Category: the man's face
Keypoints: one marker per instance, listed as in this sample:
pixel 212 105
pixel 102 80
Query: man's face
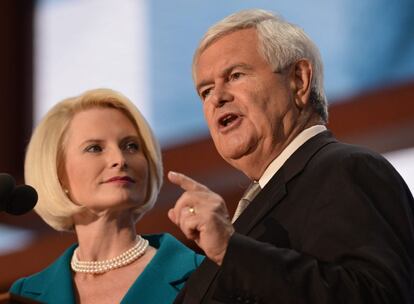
pixel 249 108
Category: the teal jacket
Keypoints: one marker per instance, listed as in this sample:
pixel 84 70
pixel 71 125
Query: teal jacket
pixel 159 283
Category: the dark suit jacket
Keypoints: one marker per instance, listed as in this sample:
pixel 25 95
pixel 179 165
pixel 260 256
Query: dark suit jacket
pixel 334 225
pixel 160 281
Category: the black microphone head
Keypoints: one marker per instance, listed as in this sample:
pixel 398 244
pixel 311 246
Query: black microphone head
pixel 22 200
pixel 7 185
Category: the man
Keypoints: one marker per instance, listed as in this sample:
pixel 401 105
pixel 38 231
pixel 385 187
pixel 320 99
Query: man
pixel 331 223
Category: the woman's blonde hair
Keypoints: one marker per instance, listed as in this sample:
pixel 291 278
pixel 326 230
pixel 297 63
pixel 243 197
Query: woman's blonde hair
pixel 45 155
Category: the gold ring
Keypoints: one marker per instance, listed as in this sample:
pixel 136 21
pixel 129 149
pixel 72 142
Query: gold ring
pixel 191 210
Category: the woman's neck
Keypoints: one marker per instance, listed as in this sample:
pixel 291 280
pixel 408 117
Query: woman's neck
pixel 104 236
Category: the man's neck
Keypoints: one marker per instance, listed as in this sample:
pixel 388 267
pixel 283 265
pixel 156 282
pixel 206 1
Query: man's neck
pixel 294 145
pixel 254 164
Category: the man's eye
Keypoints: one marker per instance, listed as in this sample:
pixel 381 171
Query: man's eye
pixel 131 147
pixel 235 75
pixel 205 93
pixel 93 149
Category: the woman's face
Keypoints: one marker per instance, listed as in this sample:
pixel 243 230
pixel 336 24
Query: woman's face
pixel 104 165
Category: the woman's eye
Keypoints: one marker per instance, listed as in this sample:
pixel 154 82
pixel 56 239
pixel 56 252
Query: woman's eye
pixel 93 149
pixel 132 147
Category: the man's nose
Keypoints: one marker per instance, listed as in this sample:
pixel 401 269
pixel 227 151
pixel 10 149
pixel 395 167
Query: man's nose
pixel 221 95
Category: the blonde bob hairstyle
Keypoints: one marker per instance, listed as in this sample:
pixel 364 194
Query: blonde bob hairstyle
pixel 45 155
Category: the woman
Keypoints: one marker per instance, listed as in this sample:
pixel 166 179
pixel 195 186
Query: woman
pixel 97 169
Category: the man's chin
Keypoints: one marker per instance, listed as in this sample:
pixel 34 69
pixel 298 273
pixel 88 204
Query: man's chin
pixel 234 155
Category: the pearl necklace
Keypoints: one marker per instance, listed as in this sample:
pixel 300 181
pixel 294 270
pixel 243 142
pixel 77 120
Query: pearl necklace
pixel 98 267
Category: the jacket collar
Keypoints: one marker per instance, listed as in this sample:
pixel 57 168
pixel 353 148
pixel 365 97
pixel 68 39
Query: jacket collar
pixel 272 194
pixel 169 269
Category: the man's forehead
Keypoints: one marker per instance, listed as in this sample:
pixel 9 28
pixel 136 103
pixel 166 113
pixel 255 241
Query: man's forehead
pixel 226 51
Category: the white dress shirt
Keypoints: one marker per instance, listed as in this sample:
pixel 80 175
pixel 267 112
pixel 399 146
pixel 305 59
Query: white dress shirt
pixel 278 162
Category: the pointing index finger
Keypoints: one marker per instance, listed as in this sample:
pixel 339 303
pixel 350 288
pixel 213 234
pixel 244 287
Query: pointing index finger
pixel 185 182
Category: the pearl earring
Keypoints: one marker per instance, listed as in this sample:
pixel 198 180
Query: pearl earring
pixel 66 191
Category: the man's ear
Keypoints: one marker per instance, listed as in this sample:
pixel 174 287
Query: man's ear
pixel 302 74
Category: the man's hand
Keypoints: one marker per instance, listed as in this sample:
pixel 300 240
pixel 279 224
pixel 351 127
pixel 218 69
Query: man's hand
pixel 202 216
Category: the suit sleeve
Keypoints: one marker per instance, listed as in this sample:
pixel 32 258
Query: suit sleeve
pixel 357 245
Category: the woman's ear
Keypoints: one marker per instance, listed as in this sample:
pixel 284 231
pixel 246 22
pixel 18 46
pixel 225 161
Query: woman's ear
pixel 301 80
pixel 63 179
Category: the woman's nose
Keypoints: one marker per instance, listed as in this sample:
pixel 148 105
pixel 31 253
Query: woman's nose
pixel 117 159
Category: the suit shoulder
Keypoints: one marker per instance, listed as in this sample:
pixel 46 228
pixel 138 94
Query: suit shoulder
pixel 342 153
pixel 37 280
pixel 17 286
pixel 338 160
pixel 340 149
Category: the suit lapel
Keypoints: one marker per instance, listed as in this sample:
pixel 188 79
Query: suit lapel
pixel 275 190
pixel 168 269
pixel 267 199
pixel 199 282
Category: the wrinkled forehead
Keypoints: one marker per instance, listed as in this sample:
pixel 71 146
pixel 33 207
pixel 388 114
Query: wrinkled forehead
pixel 235 48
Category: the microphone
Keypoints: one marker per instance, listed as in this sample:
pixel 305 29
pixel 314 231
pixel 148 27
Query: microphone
pixel 16 200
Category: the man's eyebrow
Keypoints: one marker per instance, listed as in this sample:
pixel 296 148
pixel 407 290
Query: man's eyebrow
pixel 244 66
pixel 202 84
pixel 229 69
pixel 225 72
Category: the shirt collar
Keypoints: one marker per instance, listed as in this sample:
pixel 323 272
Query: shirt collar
pixel 298 141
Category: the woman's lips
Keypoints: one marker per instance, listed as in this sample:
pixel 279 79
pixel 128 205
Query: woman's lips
pixel 120 179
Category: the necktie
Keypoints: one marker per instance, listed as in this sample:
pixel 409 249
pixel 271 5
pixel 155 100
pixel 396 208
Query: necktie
pixel 247 197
